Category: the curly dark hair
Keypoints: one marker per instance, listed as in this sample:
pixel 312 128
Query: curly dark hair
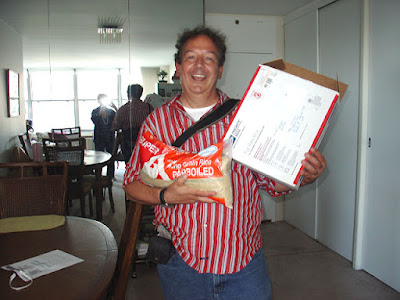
pixel 218 38
pixel 134 91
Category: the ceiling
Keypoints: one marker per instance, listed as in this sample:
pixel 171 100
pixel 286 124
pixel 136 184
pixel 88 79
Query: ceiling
pixel 64 33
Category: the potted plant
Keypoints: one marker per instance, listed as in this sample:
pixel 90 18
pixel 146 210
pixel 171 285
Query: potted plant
pixel 162 75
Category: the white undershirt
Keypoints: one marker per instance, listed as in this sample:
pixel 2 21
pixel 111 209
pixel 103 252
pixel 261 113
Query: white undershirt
pixel 197 113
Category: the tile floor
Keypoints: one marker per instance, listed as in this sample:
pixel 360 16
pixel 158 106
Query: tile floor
pixel 300 267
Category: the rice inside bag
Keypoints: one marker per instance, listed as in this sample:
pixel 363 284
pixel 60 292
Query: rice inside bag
pixel 208 170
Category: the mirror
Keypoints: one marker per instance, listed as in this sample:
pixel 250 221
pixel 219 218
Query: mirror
pixel 62 36
pixel 67 31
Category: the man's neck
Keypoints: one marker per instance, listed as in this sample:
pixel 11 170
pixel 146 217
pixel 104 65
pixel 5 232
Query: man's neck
pixel 198 101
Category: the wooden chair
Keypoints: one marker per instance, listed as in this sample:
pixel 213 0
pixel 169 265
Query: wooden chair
pixel 126 249
pixel 33 188
pixel 107 180
pixel 71 151
pixel 26 145
pixel 66 133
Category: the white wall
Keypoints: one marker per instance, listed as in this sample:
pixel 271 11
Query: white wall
pixel 150 79
pixel 10 58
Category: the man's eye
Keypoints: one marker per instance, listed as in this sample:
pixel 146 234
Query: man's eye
pixel 210 59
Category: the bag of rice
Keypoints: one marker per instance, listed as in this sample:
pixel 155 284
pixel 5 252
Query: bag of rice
pixel 208 170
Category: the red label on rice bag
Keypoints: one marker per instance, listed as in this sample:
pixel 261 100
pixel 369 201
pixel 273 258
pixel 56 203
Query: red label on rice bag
pixel 161 161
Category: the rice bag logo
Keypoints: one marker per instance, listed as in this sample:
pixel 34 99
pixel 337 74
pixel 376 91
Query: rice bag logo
pixel 208 151
pixel 155 167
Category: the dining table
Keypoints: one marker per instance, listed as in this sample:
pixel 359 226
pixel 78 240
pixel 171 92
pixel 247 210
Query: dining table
pixel 95 161
pixel 84 238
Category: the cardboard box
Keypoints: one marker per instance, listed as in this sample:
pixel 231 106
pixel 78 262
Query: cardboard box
pixel 284 112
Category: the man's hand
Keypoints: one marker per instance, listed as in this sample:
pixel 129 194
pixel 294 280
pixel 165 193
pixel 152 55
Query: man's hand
pixel 179 193
pixel 314 164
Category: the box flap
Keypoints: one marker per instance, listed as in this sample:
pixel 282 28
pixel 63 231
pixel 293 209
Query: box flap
pixel 319 79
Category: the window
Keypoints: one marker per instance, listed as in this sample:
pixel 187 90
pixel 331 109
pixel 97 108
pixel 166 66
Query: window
pixel 66 98
pixel 52 114
pixel 91 83
pixel 57 85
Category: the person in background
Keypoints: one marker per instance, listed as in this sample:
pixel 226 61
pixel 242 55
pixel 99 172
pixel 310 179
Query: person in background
pixel 218 250
pixel 102 118
pixel 130 117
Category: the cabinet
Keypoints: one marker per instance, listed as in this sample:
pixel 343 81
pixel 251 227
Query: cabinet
pixel 251 40
pixel 168 90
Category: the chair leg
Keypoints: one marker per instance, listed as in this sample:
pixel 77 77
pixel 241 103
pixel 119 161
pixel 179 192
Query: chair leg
pixel 83 206
pixel 110 195
pixel 90 203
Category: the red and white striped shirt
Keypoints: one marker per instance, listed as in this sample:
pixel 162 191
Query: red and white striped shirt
pixel 209 237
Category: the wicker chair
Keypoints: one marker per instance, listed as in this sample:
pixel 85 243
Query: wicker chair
pixel 71 151
pixel 33 188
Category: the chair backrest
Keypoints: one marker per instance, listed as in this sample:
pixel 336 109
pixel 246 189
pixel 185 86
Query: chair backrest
pixel 66 133
pixel 33 188
pixel 73 152
pixel 26 144
pixel 70 150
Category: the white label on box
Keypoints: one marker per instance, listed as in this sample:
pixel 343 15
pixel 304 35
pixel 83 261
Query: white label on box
pixel 279 119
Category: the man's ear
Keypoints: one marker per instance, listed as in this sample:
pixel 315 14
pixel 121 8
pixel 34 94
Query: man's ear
pixel 220 71
pixel 178 69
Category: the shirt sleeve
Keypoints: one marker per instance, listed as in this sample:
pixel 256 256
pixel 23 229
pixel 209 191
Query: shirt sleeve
pixel 268 185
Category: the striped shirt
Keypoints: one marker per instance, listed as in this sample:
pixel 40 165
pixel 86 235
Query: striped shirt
pixel 209 237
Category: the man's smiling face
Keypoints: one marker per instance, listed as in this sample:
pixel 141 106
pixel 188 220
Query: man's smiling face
pixel 199 70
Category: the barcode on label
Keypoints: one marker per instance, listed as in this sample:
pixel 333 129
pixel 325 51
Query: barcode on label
pixel 268 81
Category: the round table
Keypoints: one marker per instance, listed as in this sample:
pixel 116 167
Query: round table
pixel 87 239
pixel 95 158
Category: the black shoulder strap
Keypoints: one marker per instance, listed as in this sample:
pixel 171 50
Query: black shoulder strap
pixel 208 120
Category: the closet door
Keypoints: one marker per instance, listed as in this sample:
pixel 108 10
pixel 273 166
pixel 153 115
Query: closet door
pixel 301 49
pixel 339 55
pixel 381 246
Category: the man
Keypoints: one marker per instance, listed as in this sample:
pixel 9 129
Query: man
pixel 130 117
pixel 218 250
pixel 102 118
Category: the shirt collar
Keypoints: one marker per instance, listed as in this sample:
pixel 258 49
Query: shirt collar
pixel 177 103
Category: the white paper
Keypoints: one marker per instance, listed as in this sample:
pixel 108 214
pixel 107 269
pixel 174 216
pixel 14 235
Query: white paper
pixel 44 264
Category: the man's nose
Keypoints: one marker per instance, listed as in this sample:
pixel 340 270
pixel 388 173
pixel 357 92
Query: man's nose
pixel 200 62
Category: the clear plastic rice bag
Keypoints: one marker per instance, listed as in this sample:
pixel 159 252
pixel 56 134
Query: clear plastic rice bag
pixel 208 170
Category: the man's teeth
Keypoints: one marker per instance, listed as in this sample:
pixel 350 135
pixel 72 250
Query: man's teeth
pixel 199 76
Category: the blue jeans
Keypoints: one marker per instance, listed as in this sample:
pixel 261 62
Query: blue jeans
pixel 181 282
